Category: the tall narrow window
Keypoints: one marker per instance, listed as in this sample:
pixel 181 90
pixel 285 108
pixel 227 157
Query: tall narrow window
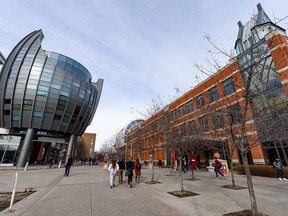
pixel 189 106
pixel 228 86
pixel 213 94
pixel 200 101
pixel 203 123
pixel 181 111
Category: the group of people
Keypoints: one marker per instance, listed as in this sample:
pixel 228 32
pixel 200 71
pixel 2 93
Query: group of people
pixel 187 163
pixel 118 168
pixel 130 167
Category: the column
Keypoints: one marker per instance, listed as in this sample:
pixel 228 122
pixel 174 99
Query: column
pixel 71 146
pixel 25 149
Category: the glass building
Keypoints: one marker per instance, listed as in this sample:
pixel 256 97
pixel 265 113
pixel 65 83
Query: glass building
pixel 47 99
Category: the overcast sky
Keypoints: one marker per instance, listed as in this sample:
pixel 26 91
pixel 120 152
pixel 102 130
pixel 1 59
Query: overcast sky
pixel 141 48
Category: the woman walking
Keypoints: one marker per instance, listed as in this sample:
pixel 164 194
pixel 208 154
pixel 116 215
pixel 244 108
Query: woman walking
pixel 130 167
pixel 113 168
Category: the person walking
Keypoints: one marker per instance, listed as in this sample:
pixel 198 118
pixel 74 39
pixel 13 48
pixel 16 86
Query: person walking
pixel 160 164
pixel 113 168
pixel 121 165
pixel 137 167
pixel 217 167
pixel 130 167
pixel 280 169
pixel 50 162
pixel 68 165
pixel 178 163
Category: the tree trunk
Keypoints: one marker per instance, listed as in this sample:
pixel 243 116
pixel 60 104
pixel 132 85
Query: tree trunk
pixel 152 169
pixel 232 173
pixel 181 176
pixel 192 171
pixel 250 186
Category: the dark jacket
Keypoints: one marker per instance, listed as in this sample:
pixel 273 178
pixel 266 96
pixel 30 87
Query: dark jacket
pixel 121 165
pixel 130 167
pixel 69 161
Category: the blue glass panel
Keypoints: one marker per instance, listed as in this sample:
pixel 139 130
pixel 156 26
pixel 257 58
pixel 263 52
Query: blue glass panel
pixel 15 117
pixel 62 58
pixel 55 86
pixel 54 55
pixel 37 114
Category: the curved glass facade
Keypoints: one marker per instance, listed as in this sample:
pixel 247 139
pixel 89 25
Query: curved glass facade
pixel 122 135
pixel 70 65
pixel 46 91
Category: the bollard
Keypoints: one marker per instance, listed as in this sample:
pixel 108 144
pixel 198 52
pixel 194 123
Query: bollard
pixel 26 166
pixel 13 192
pixel 59 166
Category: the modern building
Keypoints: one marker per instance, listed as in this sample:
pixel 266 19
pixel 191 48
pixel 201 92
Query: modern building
pixel 2 59
pixel 260 72
pixel 120 142
pixel 46 100
pixel 87 147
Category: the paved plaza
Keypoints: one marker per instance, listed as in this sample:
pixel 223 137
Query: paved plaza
pixel 86 192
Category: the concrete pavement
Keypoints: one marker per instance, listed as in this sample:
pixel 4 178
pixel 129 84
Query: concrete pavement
pixel 87 192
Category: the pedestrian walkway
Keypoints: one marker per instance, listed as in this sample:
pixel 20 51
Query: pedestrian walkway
pixel 86 192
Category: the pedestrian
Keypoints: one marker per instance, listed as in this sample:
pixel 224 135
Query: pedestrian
pixel 160 164
pixel 280 169
pixel 68 165
pixel 130 167
pixel 178 163
pixel 137 167
pixel 50 162
pixel 193 162
pixel 121 165
pixel 90 160
pixel 113 168
pixel 217 167
pixel 183 165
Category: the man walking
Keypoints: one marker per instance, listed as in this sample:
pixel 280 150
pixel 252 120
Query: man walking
pixel 121 165
pixel 218 165
pixel 280 169
pixel 68 165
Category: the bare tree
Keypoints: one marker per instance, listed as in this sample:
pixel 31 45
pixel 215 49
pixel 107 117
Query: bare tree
pixel 80 152
pixel 149 133
pixel 257 100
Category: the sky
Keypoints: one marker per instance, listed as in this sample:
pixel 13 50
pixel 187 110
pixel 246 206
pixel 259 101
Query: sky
pixel 143 49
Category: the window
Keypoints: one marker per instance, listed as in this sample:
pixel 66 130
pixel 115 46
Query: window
pixel 228 86
pixel 183 130
pixel 203 123
pixel 189 106
pixel 192 127
pixel 6 112
pixel 234 112
pixel 27 104
pixel 56 86
pixel 15 117
pixel 218 121
pixel 173 114
pixel 37 114
pixel 200 101
pixel 213 94
pixel 7 101
pixel 175 132
pixel 181 111
pixel 57 117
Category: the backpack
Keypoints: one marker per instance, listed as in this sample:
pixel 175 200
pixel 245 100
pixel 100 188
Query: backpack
pixel 219 164
pixel 138 166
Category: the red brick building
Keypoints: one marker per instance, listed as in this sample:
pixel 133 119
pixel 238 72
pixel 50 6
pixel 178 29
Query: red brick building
pixel 258 74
